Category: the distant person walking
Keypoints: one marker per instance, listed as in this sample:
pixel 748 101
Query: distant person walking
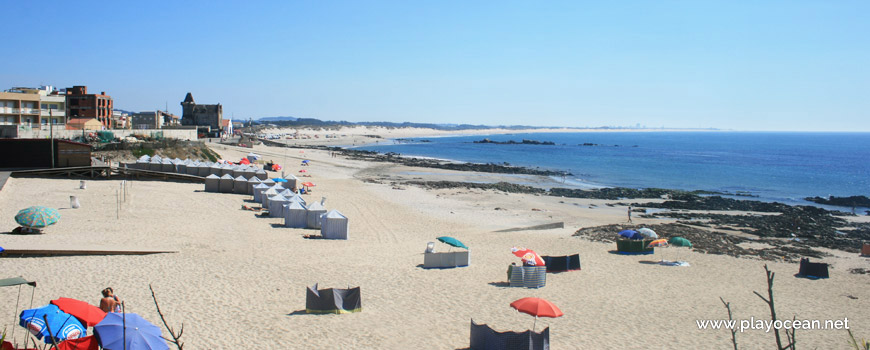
pixel 629 213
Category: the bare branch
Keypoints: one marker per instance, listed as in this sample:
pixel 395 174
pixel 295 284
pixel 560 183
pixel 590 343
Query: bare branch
pixel 175 337
pixel 733 331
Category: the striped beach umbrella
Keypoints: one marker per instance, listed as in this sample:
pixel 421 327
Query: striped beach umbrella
pixel 658 243
pixel 37 217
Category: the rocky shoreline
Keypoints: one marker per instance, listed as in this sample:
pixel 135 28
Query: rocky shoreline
pixel 803 227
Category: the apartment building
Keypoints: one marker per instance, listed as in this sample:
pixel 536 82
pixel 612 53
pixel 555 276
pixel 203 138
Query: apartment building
pixel 81 104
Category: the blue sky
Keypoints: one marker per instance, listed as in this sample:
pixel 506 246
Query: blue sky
pixel 742 65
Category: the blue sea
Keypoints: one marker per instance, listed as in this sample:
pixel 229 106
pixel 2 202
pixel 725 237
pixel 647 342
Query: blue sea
pixel 774 166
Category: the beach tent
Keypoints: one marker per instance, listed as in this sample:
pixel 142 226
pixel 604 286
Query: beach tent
pixel 192 168
pixel 215 169
pixel 268 182
pixel 315 210
pixel 276 206
pixel 249 172
pixel 812 270
pixel 264 197
pixel 295 215
pixel 252 181
pixel 226 184
pixel 279 187
pixel 333 225
pixel 261 174
pixel 297 198
pixel 332 300
pixel 634 247
pixel 226 169
pixel 240 185
pixel 166 166
pixel 291 181
pixel 562 263
pixel 484 337
pixel 258 190
pixel 203 170
pixel 212 183
pixel 528 276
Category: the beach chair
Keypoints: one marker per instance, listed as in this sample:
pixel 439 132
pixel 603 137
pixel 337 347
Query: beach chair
pixel 430 247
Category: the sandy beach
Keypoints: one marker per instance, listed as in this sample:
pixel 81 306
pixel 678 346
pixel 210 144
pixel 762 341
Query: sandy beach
pixel 239 280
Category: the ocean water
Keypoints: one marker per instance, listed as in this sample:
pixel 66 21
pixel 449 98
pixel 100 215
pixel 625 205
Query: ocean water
pixel 774 166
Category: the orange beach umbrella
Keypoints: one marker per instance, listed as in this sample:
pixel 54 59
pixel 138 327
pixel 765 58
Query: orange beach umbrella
pixel 537 307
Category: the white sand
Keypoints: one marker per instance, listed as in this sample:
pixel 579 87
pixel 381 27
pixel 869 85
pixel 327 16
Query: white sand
pixel 237 280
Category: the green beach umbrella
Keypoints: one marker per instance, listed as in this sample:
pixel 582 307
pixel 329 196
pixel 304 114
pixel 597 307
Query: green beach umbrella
pixel 679 242
pixel 37 217
pixel 451 241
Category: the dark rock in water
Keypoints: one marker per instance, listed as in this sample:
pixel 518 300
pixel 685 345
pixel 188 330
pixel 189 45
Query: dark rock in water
pixel 851 201
pixel 619 193
pixel 512 142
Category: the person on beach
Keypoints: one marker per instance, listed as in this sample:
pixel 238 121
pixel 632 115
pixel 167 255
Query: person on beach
pixel 110 302
pixel 629 213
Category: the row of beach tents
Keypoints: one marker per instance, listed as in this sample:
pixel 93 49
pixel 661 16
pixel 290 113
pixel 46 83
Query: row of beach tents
pixel 196 167
pixel 280 198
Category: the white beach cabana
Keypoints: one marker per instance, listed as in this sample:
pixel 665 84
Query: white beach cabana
pixel 297 198
pixel 291 181
pixel 226 169
pixel 252 181
pixel 312 215
pixel 203 169
pixel 226 184
pixel 215 169
pixel 276 206
pixel 240 185
pixel 249 172
pixel 333 225
pixel 166 166
pixel 212 183
pixel 264 197
pixel 192 168
pixel 295 215
pixel 261 174
pixel 258 190
pixel 154 164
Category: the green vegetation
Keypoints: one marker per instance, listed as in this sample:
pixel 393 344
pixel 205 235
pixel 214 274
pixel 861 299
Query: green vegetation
pixel 142 151
pixel 209 154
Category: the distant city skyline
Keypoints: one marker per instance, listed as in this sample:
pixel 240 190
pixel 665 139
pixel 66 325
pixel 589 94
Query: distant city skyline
pixel 734 65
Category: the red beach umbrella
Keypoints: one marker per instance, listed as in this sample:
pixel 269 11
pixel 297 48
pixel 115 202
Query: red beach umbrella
pixel 537 307
pixel 307 184
pixel 89 315
pixel 86 343
pixel 529 256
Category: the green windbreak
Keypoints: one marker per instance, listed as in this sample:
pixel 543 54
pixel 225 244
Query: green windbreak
pixel 14 281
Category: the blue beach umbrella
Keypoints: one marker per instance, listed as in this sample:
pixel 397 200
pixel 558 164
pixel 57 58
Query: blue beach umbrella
pixel 451 241
pixel 37 217
pixel 128 331
pixel 631 234
pixel 278 179
pixel 306 161
pixel 63 325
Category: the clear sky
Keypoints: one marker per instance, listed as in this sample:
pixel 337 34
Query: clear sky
pixel 743 65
